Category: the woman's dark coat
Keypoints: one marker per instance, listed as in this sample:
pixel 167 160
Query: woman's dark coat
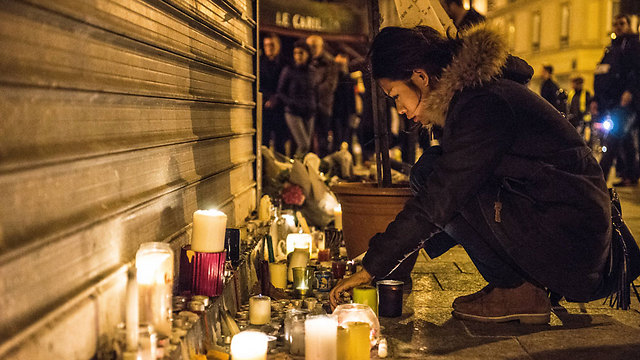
pixel 504 144
pixel 295 90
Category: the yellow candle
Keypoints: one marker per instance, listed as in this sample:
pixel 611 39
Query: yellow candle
pixel 154 264
pixel 337 213
pixel 278 273
pixel 366 295
pixel 249 345
pixel 343 343
pixel 208 231
pixel 359 344
pixel 259 310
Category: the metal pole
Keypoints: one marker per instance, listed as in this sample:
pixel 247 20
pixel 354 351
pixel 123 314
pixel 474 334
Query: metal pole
pixel 379 109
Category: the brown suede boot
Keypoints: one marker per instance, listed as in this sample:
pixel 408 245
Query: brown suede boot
pixel 526 303
pixel 466 298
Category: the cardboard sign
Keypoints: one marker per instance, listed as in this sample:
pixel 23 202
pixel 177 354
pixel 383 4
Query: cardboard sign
pixel 424 12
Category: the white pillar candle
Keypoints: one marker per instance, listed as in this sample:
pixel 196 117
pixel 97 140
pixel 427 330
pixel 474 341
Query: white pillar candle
pixel 290 220
pixel 320 339
pixel 208 231
pixel 154 264
pixel 278 273
pixel 259 310
pixel 132 312
pixel 249 345
pixel 264 210
pixel 299 241
pixel 337 213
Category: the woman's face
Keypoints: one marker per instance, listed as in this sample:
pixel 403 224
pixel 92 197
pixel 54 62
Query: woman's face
pixel 409 95
pixel 300 56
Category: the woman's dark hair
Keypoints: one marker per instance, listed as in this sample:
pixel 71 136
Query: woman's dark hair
pixel 302 44
pixel 397 51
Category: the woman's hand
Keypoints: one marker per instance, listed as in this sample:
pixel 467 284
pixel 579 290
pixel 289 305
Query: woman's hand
pixel 359 278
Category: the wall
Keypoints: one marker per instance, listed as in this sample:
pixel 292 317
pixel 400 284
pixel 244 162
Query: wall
pixel 120 118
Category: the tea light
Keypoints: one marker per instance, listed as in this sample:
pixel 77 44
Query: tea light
pixel 366 295
pixel 301 283
pixel 320 338
pixel 278 273
pixel 154 264
pixel 208 231
pixel 337 213
pixel 249 345
pixel 299 241
pixel 259 310
pixel 390 298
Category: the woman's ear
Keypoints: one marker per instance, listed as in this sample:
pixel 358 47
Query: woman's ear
pixel 420 78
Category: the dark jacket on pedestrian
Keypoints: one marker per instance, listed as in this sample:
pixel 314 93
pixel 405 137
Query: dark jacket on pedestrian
pixel 270 70
pixel 503 144
pixel 549 92
pixel 618 71
pixel 295 91
pixel 325 80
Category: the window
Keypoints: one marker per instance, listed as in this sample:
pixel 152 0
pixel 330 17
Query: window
pixel 535 38
pixel 564 24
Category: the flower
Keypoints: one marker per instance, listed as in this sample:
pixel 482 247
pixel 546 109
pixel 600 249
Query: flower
pixel 292 194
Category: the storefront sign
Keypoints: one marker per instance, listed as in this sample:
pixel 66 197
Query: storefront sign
pixel 306 15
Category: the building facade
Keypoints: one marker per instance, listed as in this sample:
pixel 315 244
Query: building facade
pixel 569 34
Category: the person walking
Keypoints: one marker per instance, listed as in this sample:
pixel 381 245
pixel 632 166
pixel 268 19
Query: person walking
pixel 617 93
pixel 274 127
pixel 325 81
pixel 549 89
pixel 514 183
pixel 295 91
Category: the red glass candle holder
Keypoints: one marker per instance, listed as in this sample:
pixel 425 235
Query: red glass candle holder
pixel 338 269
pixel 201 273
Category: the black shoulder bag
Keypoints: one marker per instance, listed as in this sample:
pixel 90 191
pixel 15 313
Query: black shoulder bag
pixel 624 265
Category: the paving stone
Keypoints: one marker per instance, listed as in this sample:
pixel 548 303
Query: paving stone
pixel 466 267
pixel 439 267
pixel 461 282
pixel 456 347
pixel 422 282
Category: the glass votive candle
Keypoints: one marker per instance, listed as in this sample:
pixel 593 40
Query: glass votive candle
pixel 249 345
pixel 294 330
pixel 338 269
pixel 366 295
pixel 324 255
pixel 154 266
pixel 389 298
pixel 301 280
pixel 323 280
pixel 259 310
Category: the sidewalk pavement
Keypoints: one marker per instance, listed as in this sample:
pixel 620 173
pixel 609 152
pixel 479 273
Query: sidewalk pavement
pixel 577 331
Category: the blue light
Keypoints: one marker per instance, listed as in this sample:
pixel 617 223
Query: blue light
pixel 604 149
pixel 607 124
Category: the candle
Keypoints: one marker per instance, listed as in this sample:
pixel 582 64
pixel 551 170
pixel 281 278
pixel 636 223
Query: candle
pixel 259 310
pixel 298 258
pixel 338 269
pixel 359 346
pixel 324 255
pixel 290 221
pixel 382 349
pixel 390 298
pixel 278 273
pixel 232 244
pixel 342 343
pixel 154 264
pixel 294 330
pixel 132 318
pixel 249 345
pixel 299 241
pixel 301 283
pixel 366 295
pixel 358 313
pixel 264 212
pixel 320 338
pixel 337 213
pixel 208 231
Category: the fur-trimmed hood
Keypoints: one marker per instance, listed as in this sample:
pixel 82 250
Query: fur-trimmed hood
pixel 480 59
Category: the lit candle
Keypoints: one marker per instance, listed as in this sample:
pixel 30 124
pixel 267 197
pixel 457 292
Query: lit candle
pixel 278 273
pixel 264 212
pixel 259 310
pixel 208 231
pixel 301 283
pixel 337 213
pixel 154 264
pixel 290 220
pixel 299 241
pixel 298 258
pixel 132 313
pixel 249 345
pixel 320 338
pixel 366 295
